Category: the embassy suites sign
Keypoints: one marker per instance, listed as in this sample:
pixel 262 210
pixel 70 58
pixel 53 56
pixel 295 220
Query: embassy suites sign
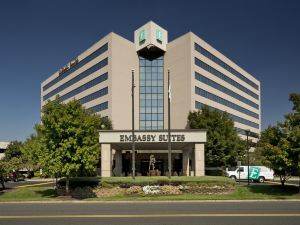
pixel 152 138
pixel 195 136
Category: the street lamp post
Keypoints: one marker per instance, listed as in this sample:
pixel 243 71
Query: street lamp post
pixel 169 127
pixel 248 157
pixel 133 139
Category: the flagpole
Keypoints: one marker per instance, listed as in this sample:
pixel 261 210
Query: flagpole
pixel 133 139
pixel 169 127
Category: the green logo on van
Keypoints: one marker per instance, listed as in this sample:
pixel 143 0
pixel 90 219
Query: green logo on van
pixel 254 173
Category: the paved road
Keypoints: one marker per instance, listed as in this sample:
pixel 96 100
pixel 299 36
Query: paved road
pixel 154 213
pixel 28 183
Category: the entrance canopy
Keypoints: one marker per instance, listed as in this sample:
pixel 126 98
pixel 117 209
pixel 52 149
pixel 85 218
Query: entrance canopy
pixel 188 144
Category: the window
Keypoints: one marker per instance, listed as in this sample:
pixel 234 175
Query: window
pixel 94 95
pixel 84 61
pixel 222 76
pixel 151 93
pixel 241 169
pixel 225 90
pixel 84 87
pixel 79 77
pixel 199 105
pixel 98 108
pixel 225 102
pixel 218 61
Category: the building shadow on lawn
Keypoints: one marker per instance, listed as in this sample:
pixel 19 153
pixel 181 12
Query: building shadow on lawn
pixel 275 190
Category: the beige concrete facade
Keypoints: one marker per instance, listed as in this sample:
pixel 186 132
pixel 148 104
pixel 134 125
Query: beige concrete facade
pixel 179 57
pixel 3 147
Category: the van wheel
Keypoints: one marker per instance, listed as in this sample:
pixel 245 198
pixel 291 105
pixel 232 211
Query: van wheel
pixel 232 177
pixel 261 179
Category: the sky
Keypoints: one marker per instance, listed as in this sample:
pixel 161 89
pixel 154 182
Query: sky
pixel 39 37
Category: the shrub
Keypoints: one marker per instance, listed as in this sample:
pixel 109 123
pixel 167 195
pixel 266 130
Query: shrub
pixel 134 190
pixel 108 192
pixel 83 192
pixel 80 182
pixel 170 190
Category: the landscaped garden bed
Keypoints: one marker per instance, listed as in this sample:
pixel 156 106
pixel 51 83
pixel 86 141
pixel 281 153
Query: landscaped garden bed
pixel 148 186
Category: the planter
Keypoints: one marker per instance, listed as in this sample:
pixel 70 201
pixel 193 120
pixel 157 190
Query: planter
pixel 152 173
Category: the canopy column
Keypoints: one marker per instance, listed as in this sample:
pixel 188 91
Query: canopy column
pixel 118 163
pixel 105 160
pixel 199 160
pixel 186 162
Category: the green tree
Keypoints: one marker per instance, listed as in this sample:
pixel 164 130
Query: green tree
pixel 13 150
pixel 279 145
pixel 30 153
pixel 273 147
pixel 14 165
pixel 223 146
pixel 3 170
pixel 69 138
pixel 291 127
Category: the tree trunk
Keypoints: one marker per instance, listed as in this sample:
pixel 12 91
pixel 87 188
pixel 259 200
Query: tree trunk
pixel 2 182
pixel 67 185
pixel 282 180
pixel 56 184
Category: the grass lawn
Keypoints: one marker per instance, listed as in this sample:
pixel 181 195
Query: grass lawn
pixel 28 194
pixel 241 192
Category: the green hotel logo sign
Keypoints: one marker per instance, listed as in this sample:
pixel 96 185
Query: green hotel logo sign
pixel 142 36
pixel 159 35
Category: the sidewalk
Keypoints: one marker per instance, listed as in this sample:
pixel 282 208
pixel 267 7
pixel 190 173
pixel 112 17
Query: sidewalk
pixel 36 179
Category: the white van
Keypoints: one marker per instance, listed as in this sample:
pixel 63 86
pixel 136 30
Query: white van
pixel 256 173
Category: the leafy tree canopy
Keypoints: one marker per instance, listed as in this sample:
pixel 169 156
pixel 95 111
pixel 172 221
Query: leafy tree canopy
pixel 13 150
pixel 69 138
pixel 224 147
pixel 280 144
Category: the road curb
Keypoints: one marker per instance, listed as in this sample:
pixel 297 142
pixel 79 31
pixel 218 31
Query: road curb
pixel 164 201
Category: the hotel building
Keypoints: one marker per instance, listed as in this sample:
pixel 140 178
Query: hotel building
pixel 100 78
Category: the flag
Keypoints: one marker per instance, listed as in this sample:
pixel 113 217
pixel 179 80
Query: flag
pixel 169 91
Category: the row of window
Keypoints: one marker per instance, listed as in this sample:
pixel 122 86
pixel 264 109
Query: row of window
pixel 225 102
pixel 149 90
pixel 243 132
pixel 85 86
pixel 152 116
pixel 151 125
pixel 153 82
pixel 84 61
pixel 151 63
pixel 79 77
pixel 199 105
pixel 94 95
pixel 151 69
pixel 218 61
pixel 222 76
pixel 98 108
pixel 224 89
pixel 151 96
pixel 151 110
pixel 152 103
pixel 151 93
pixel 151 76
